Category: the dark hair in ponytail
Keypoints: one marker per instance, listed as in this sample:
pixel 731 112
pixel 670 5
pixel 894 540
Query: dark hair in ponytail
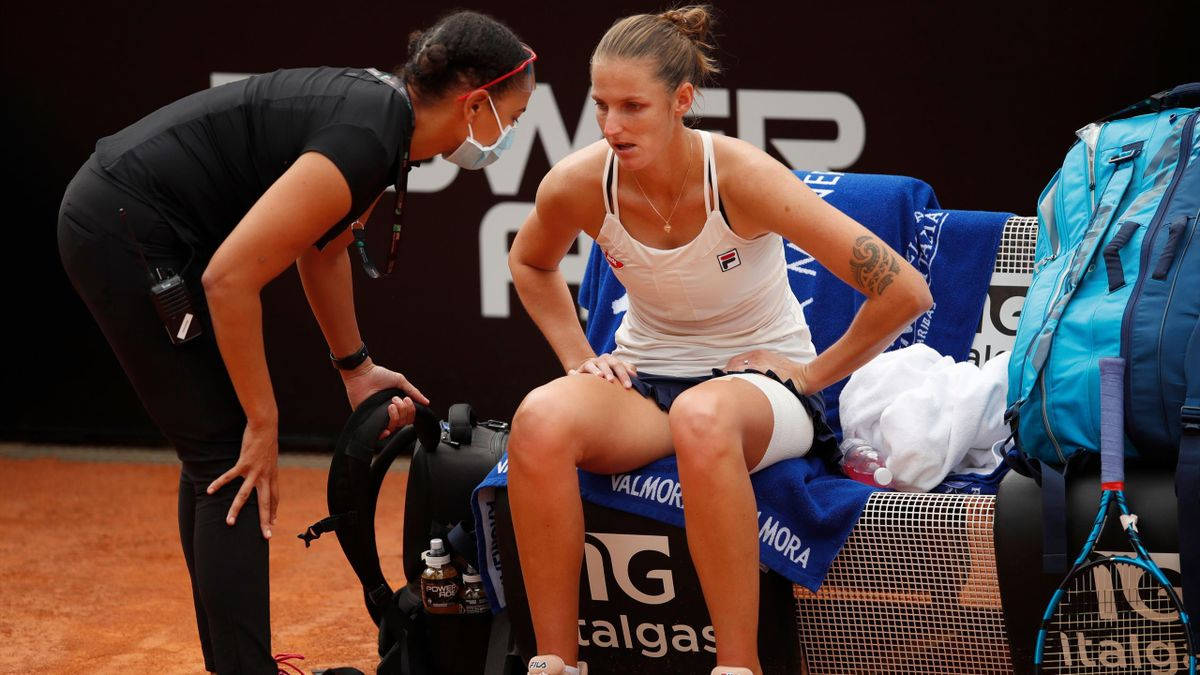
pixel 463 48
pixel 678 41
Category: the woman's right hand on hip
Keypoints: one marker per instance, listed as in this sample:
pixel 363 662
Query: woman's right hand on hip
pixel 258 464
pixel 608 367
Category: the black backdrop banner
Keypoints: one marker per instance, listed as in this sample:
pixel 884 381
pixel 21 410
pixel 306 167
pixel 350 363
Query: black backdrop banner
pixel 978 99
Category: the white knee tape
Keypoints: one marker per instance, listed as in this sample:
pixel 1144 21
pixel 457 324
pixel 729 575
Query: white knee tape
pixel 792 431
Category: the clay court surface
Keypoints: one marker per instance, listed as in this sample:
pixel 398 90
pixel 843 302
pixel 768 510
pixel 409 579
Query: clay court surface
pixel 92 578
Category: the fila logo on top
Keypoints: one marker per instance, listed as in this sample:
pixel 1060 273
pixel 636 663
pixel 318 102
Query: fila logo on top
pixel 729 260
pixel 613 262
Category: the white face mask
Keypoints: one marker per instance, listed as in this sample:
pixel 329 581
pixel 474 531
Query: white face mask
pixel 471 155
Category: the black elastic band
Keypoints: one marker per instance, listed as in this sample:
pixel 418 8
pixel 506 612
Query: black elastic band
pixel 1054 521
pixel 352 361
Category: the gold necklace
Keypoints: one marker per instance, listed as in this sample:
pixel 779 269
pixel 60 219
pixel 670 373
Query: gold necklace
pixel 686 174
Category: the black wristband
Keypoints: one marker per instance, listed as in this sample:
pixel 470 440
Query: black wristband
pixel 352 361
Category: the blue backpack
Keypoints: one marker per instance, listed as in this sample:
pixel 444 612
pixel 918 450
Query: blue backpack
pixel 1117 272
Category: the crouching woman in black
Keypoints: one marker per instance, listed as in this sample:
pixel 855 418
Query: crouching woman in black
pixel 227 188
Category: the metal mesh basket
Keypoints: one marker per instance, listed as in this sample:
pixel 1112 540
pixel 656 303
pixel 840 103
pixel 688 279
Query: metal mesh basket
pixel 1015 255
pixel 914 590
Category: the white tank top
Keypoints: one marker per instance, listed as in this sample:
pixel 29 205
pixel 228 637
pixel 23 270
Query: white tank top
pixel 694 307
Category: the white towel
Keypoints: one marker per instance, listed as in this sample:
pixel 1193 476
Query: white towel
pixel 927 415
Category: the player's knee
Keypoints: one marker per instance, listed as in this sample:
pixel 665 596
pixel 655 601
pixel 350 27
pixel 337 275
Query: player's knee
pixel 701 428
pixel 544 429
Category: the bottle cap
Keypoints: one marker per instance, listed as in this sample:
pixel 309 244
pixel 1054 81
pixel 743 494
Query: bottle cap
pixel 436 556
pixel 883 476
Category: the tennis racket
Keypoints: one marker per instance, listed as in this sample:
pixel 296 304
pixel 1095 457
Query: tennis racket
pixel 1114 614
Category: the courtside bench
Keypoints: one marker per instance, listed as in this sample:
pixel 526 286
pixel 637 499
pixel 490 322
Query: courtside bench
pixel 926 583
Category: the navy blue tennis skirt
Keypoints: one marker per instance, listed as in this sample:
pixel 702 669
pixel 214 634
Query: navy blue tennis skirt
pixel 664 389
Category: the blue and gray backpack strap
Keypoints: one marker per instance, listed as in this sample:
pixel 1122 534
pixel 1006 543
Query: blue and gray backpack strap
pixel 1038 350
pixel 1187 483
pixel 1053 482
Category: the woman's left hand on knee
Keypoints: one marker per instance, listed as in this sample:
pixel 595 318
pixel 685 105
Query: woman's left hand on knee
pixel 258 466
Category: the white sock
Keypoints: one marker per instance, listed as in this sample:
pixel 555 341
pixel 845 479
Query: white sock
pixel 570 670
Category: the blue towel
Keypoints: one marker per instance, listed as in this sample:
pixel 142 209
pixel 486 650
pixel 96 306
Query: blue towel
pixel 957 253
pixel 954 250
pixel 805 513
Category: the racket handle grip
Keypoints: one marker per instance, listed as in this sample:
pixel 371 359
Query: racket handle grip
pixel 1112 420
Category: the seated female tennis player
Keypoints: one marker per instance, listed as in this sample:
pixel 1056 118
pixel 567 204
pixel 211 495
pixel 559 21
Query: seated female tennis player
pixel 691 224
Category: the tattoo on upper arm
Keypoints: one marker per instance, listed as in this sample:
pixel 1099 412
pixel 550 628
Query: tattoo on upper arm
pixel 874 264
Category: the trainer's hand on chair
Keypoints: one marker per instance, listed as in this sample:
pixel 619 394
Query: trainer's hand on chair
pixel 258 464
pixel 608 367
pixel 369 378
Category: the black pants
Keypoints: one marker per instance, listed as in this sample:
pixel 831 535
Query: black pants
pixel 188 394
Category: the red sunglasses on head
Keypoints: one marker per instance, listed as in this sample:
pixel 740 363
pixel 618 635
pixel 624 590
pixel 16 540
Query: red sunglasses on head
pixel 527 63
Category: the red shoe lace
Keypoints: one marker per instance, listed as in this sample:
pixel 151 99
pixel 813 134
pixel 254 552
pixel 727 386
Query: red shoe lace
pixel 283 661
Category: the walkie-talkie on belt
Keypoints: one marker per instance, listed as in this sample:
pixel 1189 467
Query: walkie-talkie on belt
pixel 170 296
